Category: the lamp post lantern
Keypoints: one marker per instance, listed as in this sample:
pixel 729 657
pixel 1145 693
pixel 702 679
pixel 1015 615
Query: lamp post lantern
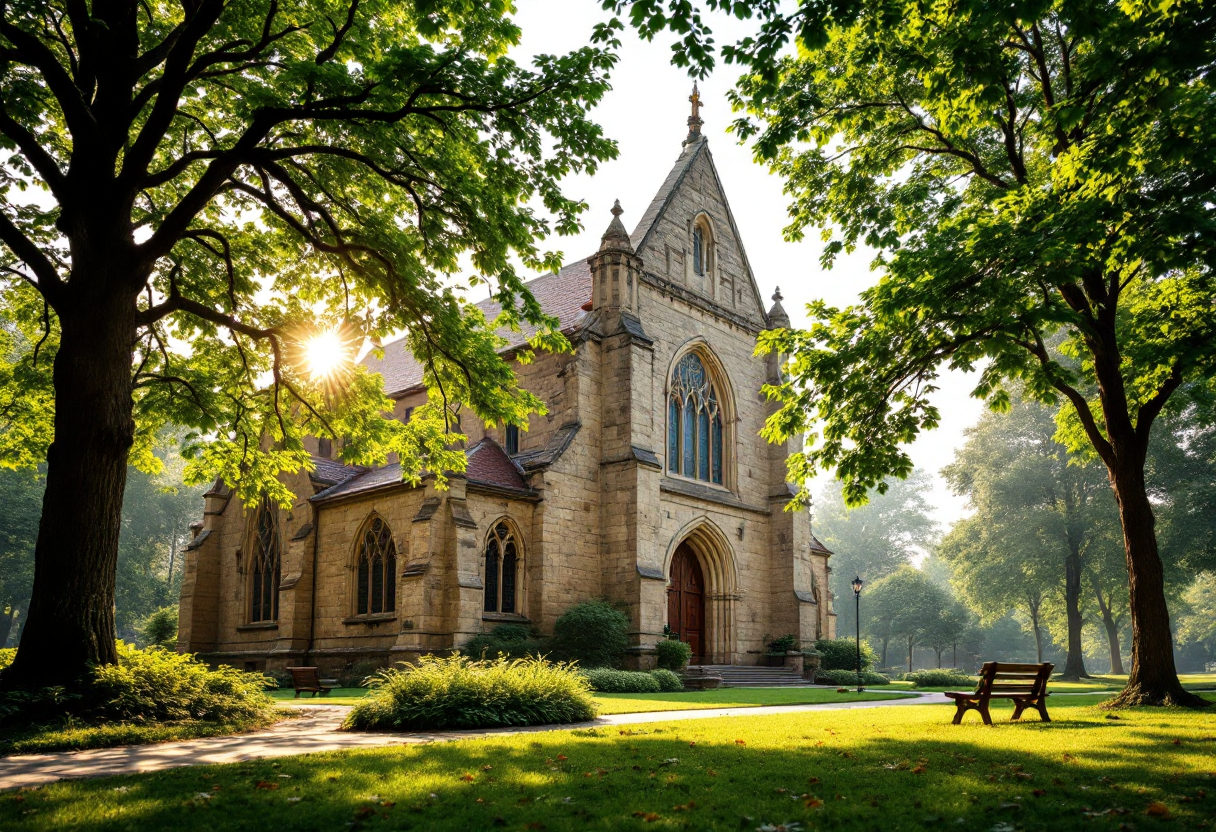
pixel 857 582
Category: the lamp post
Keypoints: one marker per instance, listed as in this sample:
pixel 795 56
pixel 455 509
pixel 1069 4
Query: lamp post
pixel 857 582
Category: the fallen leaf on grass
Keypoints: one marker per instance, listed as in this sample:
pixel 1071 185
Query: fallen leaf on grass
pixel 740 742
pixel 487 768
pixel 561 758
pixel 262 784
pixel 812 780
pixel 649 817
pixel 814 803
pixel 1038 792
pixel 1158 810
pixel 920 768
pixel 467 777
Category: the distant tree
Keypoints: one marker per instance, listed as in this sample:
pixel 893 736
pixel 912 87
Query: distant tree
pixel 1198 621
pixel 906 606
pixel 942 633
pixel 876 539
pixel 20 505
pixel 224 186
pixel 159 627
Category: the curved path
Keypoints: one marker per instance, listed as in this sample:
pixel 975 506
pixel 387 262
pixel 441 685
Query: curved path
pixel 317 730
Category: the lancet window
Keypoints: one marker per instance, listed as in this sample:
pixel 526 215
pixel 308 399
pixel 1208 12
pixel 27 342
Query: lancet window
pixel 264 567
pixel 695 445
pixel 376 575
pixel 502 570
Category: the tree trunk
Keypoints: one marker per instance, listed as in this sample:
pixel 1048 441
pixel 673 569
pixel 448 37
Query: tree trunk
pixel 1112 629
pixel 910 645
pixel 6 624
pixel 1038 636
pixel 1153 679
pixel 69 626
pixel 1074 665
pixel 884 651
pixel 939 658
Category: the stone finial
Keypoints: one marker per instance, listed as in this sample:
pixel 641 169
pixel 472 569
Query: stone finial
pixel 616 238
pixel 694 120
pixel 777 318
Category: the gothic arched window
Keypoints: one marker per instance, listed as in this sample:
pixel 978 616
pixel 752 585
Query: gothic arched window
pixel 695 444
pixel 502 570
pixel 698 249
pixel 264 566
pixel 376 575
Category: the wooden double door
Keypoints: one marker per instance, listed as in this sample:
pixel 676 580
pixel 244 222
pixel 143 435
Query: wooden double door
pixel 686 601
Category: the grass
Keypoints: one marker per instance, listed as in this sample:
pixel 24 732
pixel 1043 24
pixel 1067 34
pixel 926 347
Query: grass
pixel 337 696
pixel 1190 681
pixel 39 739
pixel 631 703
pixel 893 769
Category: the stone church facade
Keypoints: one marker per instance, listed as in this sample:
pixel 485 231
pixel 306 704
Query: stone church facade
pixel 646 483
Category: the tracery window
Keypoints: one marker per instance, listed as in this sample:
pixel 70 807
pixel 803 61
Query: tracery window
pixel 264 567
pixel 501 570
pixel 376 576
pixel 694 423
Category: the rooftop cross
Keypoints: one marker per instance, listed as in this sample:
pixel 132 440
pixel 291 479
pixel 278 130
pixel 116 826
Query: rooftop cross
pixel 694 120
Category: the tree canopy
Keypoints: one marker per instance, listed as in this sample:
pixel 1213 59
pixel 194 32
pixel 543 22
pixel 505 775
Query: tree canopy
pixel 193 194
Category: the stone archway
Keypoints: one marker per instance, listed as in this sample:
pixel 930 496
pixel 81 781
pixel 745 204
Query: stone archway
pixel 702 591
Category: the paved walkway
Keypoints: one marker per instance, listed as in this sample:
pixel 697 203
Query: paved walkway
pixel 317 730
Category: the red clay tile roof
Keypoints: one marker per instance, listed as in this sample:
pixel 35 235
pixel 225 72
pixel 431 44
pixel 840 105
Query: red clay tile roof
pixel 561 295
pixel 489 464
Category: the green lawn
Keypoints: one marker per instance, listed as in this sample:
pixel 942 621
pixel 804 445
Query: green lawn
pixel 338 696
pixel 1190 681
pixel 631 703
pixel 889 769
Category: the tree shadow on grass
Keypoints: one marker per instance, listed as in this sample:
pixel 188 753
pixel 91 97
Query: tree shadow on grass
pixel 841 770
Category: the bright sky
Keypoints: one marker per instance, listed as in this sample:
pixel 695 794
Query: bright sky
pixel 645 112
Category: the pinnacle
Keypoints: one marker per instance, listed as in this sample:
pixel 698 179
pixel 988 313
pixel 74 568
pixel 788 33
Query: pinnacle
pixel 616 238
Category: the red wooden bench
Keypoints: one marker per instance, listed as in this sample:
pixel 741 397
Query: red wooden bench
pixel 308 679
pixel 1025 684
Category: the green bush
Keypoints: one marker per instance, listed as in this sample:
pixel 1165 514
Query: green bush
pixel 668 681
pixel 607 680
pixel 459 692
pixel 159 628
pixel 673 655
pixel 509 641
pixel 592 633
pixel 7 655
pixel 156 685
pixel 153 685
pixel 783 644
pixel 939 679
pixel 848 678
pixel 841 654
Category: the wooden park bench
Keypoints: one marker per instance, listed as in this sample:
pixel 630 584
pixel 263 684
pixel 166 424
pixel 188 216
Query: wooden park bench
pixel 1025 684
pixel 307 679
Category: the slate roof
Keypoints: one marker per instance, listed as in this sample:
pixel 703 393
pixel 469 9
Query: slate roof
pixel 561 295
pixel 332 472
pixel 818 548
pixel 689 155
pixel 490 465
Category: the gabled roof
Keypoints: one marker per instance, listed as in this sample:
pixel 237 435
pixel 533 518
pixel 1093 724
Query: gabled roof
pixel 490 465
pixel 329 472
pixel 561 295
pixel 646 226
pixel 818 548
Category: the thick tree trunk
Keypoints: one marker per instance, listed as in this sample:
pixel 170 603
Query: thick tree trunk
pixel 1153 679
pixel 1074 665
pixel 70 622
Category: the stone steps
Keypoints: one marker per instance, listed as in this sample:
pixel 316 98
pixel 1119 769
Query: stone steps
pixel 743 676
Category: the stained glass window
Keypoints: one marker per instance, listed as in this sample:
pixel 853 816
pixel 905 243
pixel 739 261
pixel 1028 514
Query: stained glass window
pixel 265 566
pixel 377 572
pixel 698 250
pixel 502 571
pixel 694 431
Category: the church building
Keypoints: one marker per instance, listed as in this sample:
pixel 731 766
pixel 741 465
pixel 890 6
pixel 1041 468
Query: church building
pixel 646 483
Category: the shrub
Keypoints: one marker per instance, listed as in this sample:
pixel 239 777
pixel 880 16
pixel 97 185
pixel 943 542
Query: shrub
pixel 606 680
pixel 673 655
pixel 6 656
pixel 592 633
pixel 848 678
pixel 939 679
pixel 841 654
pixel 668 681
pixel 156 685
pixel 511 641
pixel 159 628
pixel 783 644
pixel 459 692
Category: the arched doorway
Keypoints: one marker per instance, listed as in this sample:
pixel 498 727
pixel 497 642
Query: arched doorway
pixel 686 601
